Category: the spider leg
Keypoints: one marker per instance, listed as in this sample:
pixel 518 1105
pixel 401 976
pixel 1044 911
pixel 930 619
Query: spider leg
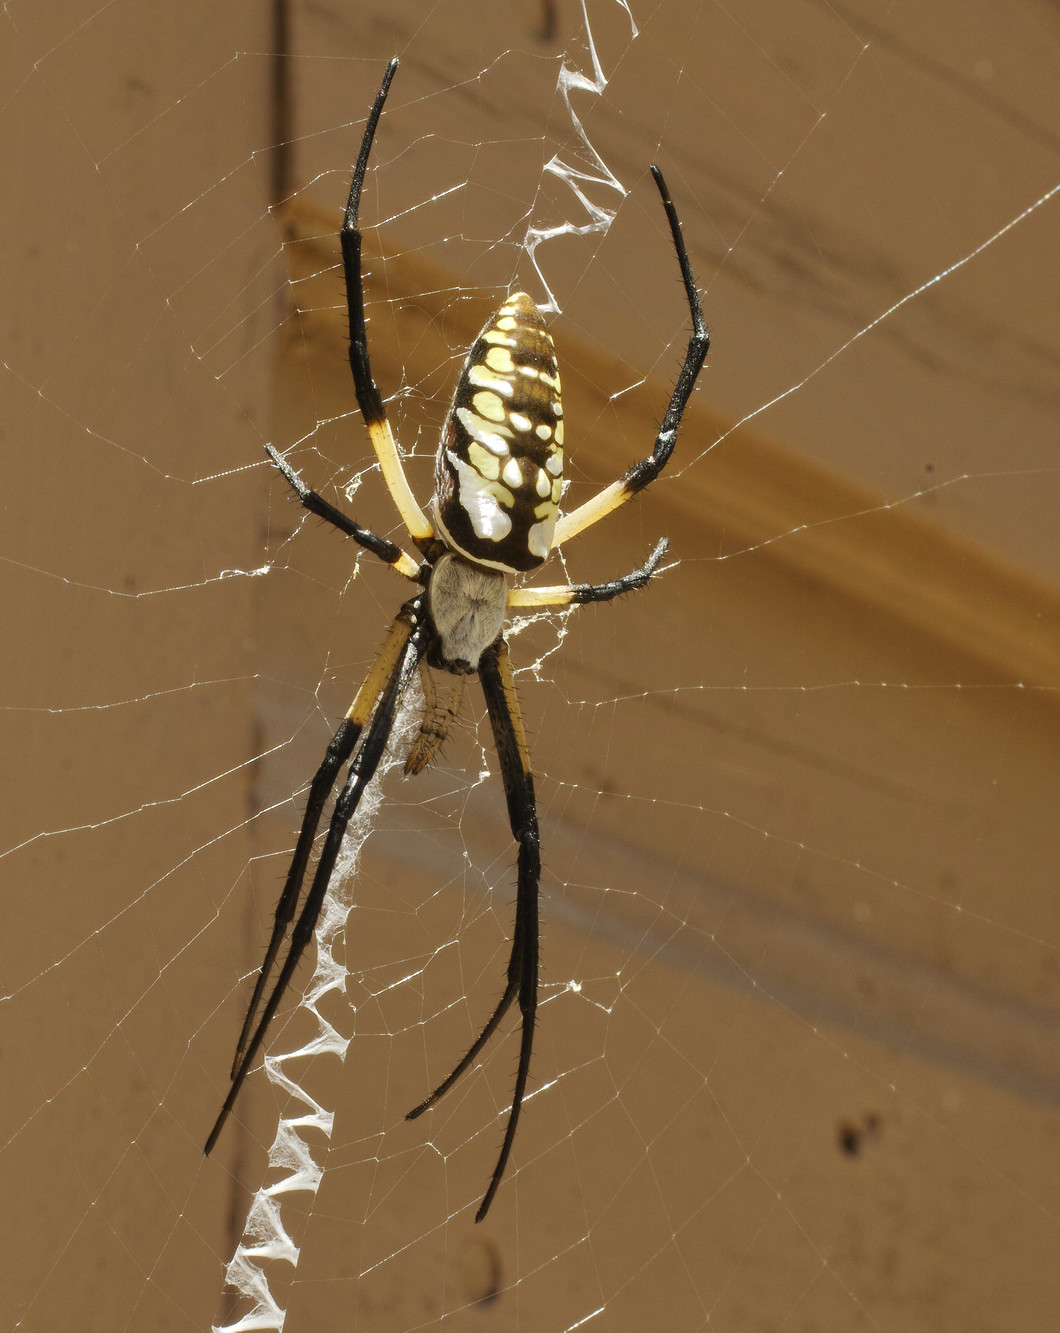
pixel 369 399
pixel 339 750
pixel 643 473
pixel 498 686
pixel 386 550
pixel 391 675
pixel 577 594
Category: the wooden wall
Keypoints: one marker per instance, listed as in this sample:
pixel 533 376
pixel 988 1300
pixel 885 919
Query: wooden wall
pixel 797 1062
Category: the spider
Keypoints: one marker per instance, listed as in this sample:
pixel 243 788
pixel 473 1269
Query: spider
pixel 495 513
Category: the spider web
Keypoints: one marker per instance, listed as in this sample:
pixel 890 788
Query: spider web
pixel 796 1062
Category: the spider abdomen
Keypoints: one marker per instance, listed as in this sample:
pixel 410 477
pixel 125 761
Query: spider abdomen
pixel 499 471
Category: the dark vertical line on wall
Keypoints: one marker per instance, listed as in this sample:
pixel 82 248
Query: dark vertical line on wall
pixel 549 28
pixel 280 102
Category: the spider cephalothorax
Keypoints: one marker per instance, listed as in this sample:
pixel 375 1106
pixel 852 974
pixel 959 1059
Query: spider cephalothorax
pixel 495 512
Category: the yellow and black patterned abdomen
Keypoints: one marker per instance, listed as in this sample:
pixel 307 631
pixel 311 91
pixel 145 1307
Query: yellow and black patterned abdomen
pixel 499 472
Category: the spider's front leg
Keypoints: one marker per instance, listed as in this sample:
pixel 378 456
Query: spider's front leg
pixel 644 473
pixel 369 399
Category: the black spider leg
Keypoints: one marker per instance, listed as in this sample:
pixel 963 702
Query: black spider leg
pixel 369 399
pixel 580 594
pixel 643 473
pixel 362 769
pixel 583 593
pixel 386 550
pixel 640 474
pixel 339 750
pixel 498 686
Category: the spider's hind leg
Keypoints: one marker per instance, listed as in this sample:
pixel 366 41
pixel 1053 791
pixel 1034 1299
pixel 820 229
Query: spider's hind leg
pixel 509 735
pixel 374 711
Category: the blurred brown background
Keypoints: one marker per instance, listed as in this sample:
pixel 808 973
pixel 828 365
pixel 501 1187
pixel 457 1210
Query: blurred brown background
pixel 798 1061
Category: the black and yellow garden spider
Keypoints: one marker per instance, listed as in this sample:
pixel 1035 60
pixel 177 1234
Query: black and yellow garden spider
pixel 495 513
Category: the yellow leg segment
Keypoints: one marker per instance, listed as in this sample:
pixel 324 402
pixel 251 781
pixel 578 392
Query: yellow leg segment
pixel 579 594
pixel 407 566
pixel 398 635
pixel 511 698
pixel 554 595
pixel 412 515
pixel 609 499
